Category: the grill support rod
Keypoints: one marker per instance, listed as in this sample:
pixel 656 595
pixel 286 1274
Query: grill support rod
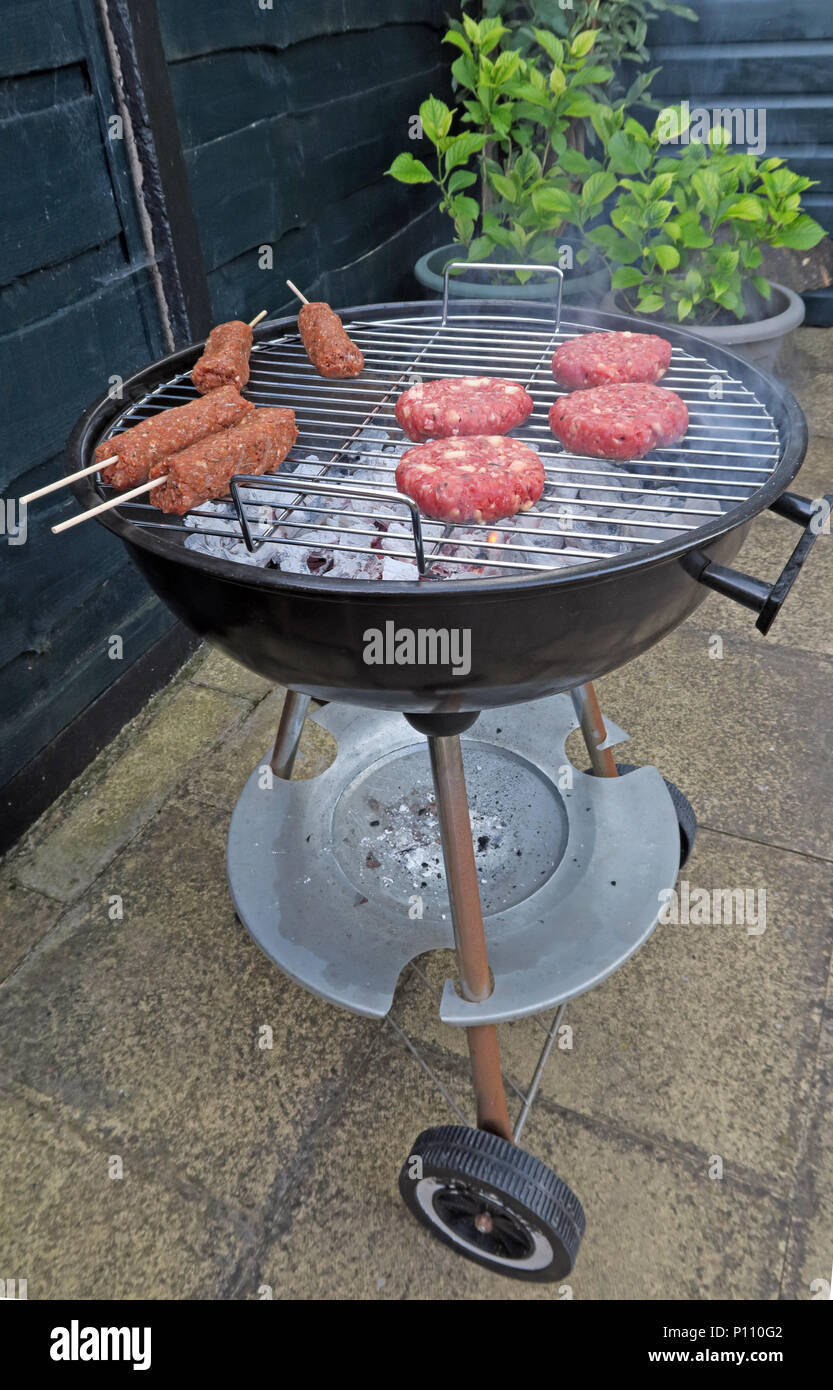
pixel 293 714
pixel 586 704
pixel 469 935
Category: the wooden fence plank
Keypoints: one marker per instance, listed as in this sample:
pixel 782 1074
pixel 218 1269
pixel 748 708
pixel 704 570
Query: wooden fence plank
pixel 736 21
pixel 42 690
pixel 55 190
pixel 189 31
pixel 38 34
pixel 53 368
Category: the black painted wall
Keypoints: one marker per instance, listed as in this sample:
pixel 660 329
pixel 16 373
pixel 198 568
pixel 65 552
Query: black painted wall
pixel 287 118
pixel 76 305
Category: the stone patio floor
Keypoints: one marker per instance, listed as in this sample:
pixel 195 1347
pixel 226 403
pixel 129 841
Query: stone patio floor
pixel 149 1147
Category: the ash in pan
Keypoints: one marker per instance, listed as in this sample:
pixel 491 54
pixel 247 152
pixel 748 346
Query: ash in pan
pixel 581 515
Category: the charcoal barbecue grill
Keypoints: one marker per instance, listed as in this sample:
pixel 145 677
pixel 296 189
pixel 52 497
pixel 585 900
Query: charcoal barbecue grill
pixel 344 880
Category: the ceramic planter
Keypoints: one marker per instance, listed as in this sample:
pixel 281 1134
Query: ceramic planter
pixel 759 342
pixel 579 288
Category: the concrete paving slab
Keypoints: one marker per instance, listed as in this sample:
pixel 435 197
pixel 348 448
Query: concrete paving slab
pixel 99 817
pixel 809 1266
pixel 73 1231
pixel 658 1227
pixel 168 1031
pixel 218 778
pixel 222 672
pixel 25 917
pixel 807 372
pixel 748 736
pixel 707 1037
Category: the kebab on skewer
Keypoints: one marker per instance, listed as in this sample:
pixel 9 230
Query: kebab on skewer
pixel 127 459
pixel 225 358
pixel 257 444
pixel 332 353
pixel 124 460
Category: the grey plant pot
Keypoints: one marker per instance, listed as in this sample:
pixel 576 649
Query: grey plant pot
pixel 586 289
pixel 760 342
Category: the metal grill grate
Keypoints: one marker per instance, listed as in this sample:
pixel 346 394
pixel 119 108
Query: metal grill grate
pixel 590 509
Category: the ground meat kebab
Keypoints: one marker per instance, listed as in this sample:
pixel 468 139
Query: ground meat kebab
pixel 225 357
pixel 258 444
pixel 138 448
pixel 479 478
pixel 462 405
pixel 607 359
pixel 619 422
pixel 327 345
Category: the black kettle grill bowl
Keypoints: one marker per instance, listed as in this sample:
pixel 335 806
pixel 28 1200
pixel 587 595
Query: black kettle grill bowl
pixel 531 636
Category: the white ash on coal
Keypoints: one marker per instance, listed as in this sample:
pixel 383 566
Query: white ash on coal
pixel 597 511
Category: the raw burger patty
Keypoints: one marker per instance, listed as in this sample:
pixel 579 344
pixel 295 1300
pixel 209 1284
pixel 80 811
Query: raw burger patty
pixel 462 405
pixel 619 422
pixel 606 359
pixel 481 478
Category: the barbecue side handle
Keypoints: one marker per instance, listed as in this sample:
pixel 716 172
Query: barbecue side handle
pixel 763 598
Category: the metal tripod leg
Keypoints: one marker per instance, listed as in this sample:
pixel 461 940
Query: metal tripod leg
pixel 293 714
pixel 469 935
pixel 589 714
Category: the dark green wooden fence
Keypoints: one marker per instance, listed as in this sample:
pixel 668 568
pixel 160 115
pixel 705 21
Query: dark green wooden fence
pixel 287 119
pixel 75 306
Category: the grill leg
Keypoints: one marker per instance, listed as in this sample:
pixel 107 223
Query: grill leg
pixel 469 936
pixel 293 714
pixel 587 709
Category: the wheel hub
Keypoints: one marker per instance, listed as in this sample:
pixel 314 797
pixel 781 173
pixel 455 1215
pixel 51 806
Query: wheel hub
pixel 480 1220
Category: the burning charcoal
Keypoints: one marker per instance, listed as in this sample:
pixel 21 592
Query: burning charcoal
pixel 683 519
pixel 399 569
pixel 565 486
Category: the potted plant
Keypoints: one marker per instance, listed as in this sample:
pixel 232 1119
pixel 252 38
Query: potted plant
pixel 686 232
pixel 516 103
pixel 505 181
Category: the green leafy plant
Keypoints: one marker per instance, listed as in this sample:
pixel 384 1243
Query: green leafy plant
pixel 452 152
pixel 686 231
pixel 523 110
pixel 621 26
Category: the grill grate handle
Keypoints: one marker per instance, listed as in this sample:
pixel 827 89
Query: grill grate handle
pixel 499 265
pixel 763 598
pixel 289 482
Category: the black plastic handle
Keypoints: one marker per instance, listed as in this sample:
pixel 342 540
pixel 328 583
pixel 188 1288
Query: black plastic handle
pixel 766 599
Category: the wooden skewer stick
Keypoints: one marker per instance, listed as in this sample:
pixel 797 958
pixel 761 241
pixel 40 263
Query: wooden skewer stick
pixel 295 290
pixel 94 467
pixel 107 506
pixel 70 478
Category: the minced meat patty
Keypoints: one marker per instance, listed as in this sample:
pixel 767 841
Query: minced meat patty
pixel 609 359
pixel 480 478
pixel 456 405
pixel 619 422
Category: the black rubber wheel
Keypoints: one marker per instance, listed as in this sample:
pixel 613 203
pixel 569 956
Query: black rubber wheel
pixel 493 1203
pixel 686 818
